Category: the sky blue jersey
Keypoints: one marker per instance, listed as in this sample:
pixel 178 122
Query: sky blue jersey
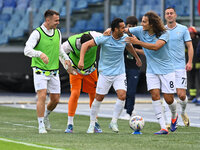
pixel 111 60
pixel 158 62
pixel 177 38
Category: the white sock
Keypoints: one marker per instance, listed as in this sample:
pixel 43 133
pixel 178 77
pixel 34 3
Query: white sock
pixel 70 120
pixel 172 107
pixel 47 113
pixel 119 105
pixel 183 105
pixel 158 113
pixel 41 121
pixel 94 111
pixel 167 112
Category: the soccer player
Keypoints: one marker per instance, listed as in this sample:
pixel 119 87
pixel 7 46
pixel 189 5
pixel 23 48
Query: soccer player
pixel 179 36
pixel 160 71
pixel 111 70
pixel 86 78
pixel 132 73
pixel 43 46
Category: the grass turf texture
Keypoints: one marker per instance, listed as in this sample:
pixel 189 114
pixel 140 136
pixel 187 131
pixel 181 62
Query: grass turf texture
pixel 21 125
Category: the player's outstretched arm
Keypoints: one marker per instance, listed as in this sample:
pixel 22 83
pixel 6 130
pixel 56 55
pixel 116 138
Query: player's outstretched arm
pixel 150 46
pixel 85 46
pixel 107 32
pixel 130 48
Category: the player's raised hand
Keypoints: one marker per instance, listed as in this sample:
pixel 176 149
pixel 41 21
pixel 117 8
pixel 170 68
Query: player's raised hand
pixel 107 32
pixel 131 39
pixel 44 58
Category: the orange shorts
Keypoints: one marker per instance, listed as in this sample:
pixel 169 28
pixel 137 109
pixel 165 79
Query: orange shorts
pixel 87 82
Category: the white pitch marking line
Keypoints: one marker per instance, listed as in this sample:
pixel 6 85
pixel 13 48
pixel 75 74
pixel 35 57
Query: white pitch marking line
pixel 23 125
pixel 29 144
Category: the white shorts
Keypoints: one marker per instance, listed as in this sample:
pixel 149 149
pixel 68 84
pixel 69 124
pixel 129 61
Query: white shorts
pixel 104 83
pixel 164 82
pixel 51 82
pixel 181 79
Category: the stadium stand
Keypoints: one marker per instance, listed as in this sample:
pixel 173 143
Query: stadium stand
pixel 85 14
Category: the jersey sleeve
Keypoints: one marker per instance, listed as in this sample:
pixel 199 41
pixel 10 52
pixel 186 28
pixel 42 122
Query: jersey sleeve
pixel 136 31
pixel 31 43
pixel 100 40
pixel 164 36
pixel 186 35
pixel 66 47
pixel 95 34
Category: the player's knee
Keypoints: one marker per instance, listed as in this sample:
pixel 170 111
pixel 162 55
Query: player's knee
pixel 56 101
pixel 99 97
pixel 182 97
pixel 122 96
pixel 42 97
pixel 169 98
pixel 181 94
pixel 155 96
pixel 75 94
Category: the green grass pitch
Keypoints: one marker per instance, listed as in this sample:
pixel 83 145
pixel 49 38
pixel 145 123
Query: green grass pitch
pixel 20 127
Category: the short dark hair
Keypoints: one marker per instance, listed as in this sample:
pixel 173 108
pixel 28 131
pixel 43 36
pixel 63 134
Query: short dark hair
pixel 132 20
pixel 85 38
pixel 171 8
pixel 50 12
pixel 115 23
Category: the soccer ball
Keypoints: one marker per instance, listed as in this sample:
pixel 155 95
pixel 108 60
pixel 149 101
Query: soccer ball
pixel 136 123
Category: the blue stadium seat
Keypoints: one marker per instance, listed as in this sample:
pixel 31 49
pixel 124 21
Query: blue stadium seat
pixel 96 22
pixel 35 4
pixel 80 4
pixel 9 3
pixel 7 10
pixel 98 16
pixel 18 33
pixel 72 5
pixel 63 11
pixel 14 21
pixel 2 26
pixel 95 1
pixel 5 17
pixel 8 32
pixel 23 4
pixel 37 22
pixel 182 7
pixel 80 26
pixel 3 39
pixel 114 12
pixel 1 4
pixel 121 11
pixel 20 11
pixel 24 24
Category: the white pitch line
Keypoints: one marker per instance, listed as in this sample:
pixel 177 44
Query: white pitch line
pixel 186 133
pixel 29 144
pixel 23 125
